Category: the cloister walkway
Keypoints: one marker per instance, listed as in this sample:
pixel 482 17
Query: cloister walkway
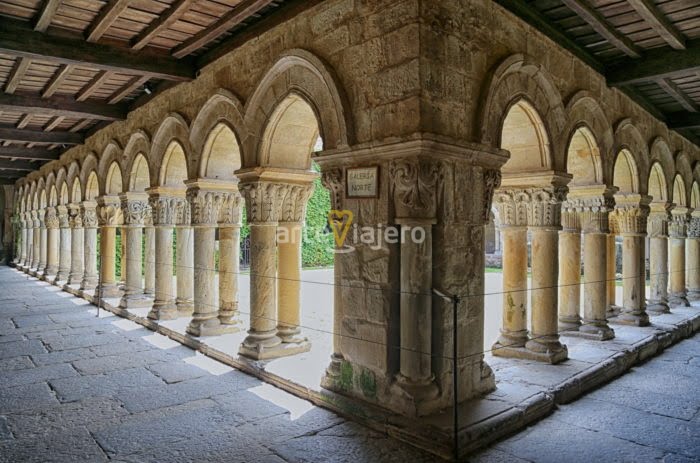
pixel 75 387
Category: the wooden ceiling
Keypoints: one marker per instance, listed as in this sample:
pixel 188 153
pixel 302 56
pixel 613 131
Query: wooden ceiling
pixel 69 67
pixel 649 49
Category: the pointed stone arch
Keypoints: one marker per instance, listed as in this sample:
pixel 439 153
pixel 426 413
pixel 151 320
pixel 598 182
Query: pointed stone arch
pixel 520 77
pixel 219 124
pixel 300 72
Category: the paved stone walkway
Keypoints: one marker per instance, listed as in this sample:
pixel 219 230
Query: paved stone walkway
pixel 651 414
pixel 75 387
pixel 78 388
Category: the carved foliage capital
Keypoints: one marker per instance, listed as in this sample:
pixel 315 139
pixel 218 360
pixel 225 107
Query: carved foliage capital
pixel 630 219
pixel 169 211
pixel 332 179
pixel 694 227
pixel 534 207
pixel 264 200
pixel 75 219
pixel 657 224
pixel 294 206
pixel 51 218
pixel 591 211
pixel 110 214
pixel 678 226
pixel 135 212
pixel 416 186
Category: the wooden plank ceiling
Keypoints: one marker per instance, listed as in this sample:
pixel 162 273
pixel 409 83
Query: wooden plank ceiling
pixel 649 49
pixel 69 67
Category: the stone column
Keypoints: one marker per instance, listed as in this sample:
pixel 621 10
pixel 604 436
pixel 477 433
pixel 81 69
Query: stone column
pixel 185 262
pixel 693 257
pixel 77 258
pixel 569 269
pixel 594 206
pixel 43 244
pixel 149 267
pixel 64 253
pixel 289 265
pixel 512 211
pixel 206 201
pixel 36 240
pixel 110 217
pixel 23 247
pixel 631 212
pixel 135 209
pixel 544 219
pixel 263 202
pixel 611 273
pixel 678 231
pixel 657 229
pixel 51 221
pixel 164 206
pixel 229 259
pixel 89 211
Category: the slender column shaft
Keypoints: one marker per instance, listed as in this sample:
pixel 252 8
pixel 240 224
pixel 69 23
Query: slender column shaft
pixel 164 307
pixel 229 262
pixel 658 274
pixel 634 301
pixel 185 270
pixel 122 252
pixel 263 288
pixel 205 319
pixel 90 243
pixel 677 277
pixel 77 258
pixel 693 267
pixel 43 248
pixel 570 280
pixel 150 263
pixel 64 253
pixel 36 246
pixel 289 282
pixel 514 330
pixel 52 251
pixel 595 298
pixel 611 270
pixel 23 244
pixel 133 290
pixel 544 337
pixel 108 257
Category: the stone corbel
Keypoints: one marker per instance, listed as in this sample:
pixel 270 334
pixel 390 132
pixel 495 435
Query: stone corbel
pixel 416 185
pixel 631 212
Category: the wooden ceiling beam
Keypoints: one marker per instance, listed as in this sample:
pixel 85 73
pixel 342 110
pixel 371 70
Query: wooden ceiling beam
pixel 105 18
pixel 128 88
pixel 165 20
pixel 601 25
pixel 18 165
pixel 47 14
pixel 684 120
pixel 94 85
pixel 238 14
pixel 12 134
pixel 672 89
pixel 36 154
pixel 658 21
pixel 657 63
pixel 63 71
pixel 17 39
pixel 61 106
pixel 26 119
pixel 18 72
pixel 53 123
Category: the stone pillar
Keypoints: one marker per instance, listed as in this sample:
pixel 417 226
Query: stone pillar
pixel 264 202
pixel 631 212
pixel 149 267
pixel 43 244
pixel 611 273
pixel 693 257
pixel 678 228
pixel 657 229
pixel 23 237
pixel 184 258
pixel 206 199
pixel 164 206
pixel 544 218
pixel 569 269
pixel 89 211
pixel 289 265
pixel 77 236
pixel 36 240
pixel 51 221
pixel 64 252
pixel 229 259
pixel 135 209
pixel 594 211
pixel 110 217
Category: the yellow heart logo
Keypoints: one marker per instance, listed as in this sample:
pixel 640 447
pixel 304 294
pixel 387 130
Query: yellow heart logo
pixel 340 222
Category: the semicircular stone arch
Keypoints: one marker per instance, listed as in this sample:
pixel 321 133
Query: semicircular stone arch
pixel 629 139
pixel 139 175
pixel 136 151
pixel 626 172
pixel 173 170
pixel 660 154
pixel 172 135
pixel 657 185
pixel 112 155
pixel 114 180
pixel 583 158
pixel 680 197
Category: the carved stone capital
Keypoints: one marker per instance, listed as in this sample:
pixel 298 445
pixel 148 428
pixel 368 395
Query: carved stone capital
pixel 51 218
pixel 332 179
pixel 657 222
pixel 680 219
pixel 75 219
pixel 168 210
pixel 694 227
pixel 416 187
pixel 630 213
pixel 534 207
pixel 592 204
pixel 294 206
pixel 63 218
pixel 109 213
pixel 135 209
pixel 264 200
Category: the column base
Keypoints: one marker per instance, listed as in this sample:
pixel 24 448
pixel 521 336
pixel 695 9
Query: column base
pixel 209 327
pixel 512 339
pixel 658 307
pixel 525 353
pixel 88 283
pixel 62 275
pixel 135 302
pixel 567 324
pixel 595 331
pixel 75 280
pixel 332 378
pixel 678 300
pixel 109 291
pixel 414 398
pixel 163 311
pixel 613 311
pixel 267 345
pixel 290 334
pixel 227 314
pixel 693 295
pixel 185 308
pixel 631 318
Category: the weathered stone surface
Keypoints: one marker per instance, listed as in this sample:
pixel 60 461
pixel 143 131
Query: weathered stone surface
pixel 28 396
pixel 18 348
pixel 114 384
pixel 36 375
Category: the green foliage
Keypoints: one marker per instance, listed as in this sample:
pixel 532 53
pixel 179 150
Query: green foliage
pixel 317 247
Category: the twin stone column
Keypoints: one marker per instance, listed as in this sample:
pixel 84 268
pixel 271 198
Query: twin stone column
pixel 135 210
pixel 109 217
pixel 51 220
pixel 539 210
pixel 64 247
pixel 657 230
pixel 77 268
pixel 90 223
pixel 693 256
pixel 678 228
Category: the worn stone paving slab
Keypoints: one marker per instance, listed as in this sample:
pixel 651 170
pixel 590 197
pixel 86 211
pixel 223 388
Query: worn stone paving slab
pixel 36 375
pixel 20 348
pixel 27 396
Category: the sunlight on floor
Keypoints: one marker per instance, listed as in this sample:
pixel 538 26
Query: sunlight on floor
pixel 160 341
pixel 296 406
pixel 208 364
pixel 127 325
